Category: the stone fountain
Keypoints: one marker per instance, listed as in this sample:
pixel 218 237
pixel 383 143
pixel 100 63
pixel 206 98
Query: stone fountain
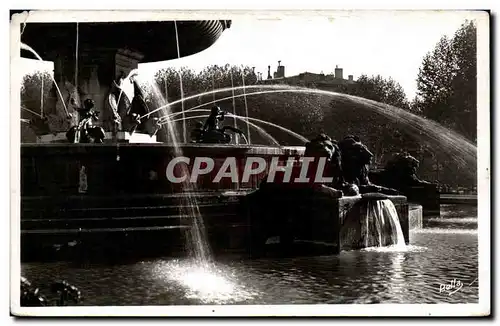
pixel 110 195
pixel 93 60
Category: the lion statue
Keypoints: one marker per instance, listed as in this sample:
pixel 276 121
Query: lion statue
pixel 284 209
pixel 320 147
pixel 356 159
pixel 401 172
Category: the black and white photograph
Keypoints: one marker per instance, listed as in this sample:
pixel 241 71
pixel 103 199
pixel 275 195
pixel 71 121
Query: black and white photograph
pixel 238 163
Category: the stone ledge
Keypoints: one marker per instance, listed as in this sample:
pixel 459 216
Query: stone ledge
pixel 121 136
pixel 415 217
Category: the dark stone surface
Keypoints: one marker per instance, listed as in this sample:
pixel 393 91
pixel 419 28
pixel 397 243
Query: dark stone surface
pixel 310 216
pixel 155 40
pixel 126 208
pixel 84 227
pixel 53 169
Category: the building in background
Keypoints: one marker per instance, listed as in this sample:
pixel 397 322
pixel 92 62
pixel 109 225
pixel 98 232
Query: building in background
pixel 331 82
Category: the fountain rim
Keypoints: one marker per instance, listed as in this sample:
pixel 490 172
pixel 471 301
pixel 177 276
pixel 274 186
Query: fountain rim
pixel 216 149
pixel 209 30
pixel 124 144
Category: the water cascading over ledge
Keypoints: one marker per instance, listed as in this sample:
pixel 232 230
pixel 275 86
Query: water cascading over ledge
pixel 132 195
pixel 321 224
pixel 377 225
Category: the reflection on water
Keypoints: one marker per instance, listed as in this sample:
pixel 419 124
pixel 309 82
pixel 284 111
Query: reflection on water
pixel 373 275
pixel 206 284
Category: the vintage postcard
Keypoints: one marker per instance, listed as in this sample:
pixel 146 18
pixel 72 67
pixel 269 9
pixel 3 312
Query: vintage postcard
pixel 266 163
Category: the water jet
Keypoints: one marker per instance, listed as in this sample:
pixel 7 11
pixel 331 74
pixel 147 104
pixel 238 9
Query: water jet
pixel 123 193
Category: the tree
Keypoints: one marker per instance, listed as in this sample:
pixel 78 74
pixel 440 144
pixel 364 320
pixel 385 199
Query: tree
pixel 464 84
pixel 380 89
pixel 446 82
pixel 36 94
pixel 301 113
pixel 382 136
pixel 447 94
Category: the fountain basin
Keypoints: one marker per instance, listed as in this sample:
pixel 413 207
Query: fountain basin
pixel 317 223
pixel 123 194
pixel 123 201
pixel 53 169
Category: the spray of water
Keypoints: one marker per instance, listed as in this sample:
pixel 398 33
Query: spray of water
pixel 196 241
pixel 216 285
pixel 184 135
pixel 32 112
pixel 234 103
pixel 260 130
pixel 428 132
pixel 42 95
pixel 30 49
pixel 246 120
pixel 226 98
pixel 215 91
pixel 76 55
pixel 246 105
pixel 382 225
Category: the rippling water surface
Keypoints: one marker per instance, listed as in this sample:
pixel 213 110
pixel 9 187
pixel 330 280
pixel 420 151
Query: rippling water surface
pixel 439 254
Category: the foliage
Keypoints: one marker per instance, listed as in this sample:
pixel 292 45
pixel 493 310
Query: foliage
pixel 382 136
pixel 308 114
pixel 447 88
pixel 380 89
pixel 32 93
pixel 447 94
pixel 297 112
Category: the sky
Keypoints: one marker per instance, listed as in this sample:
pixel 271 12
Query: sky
pixel 391 44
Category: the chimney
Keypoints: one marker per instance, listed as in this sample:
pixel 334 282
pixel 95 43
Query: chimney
pixel 338 73
pixel 281 70
pixel 269 72
pixel 351 77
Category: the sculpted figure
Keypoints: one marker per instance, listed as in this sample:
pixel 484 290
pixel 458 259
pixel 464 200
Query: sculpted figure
pixel 57 119
pixel 128 108
pixel 212 131
pixel 86 131
pixel 281 208
pixel 401 172
pixel 212 123
pixel 356 159
pixel 138 108
pixel 320 147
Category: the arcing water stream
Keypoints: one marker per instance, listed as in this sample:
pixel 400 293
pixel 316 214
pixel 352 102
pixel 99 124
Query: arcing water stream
pixel 462 151
pixel 201 276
